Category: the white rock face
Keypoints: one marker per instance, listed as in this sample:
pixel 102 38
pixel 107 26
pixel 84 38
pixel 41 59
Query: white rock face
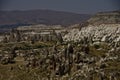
pixel 1 38
pixel 100 33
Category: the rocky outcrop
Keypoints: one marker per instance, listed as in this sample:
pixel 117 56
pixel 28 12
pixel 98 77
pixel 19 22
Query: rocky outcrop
pixel 36 33
pixel 102 27
pixel 1 38
pixel 109 33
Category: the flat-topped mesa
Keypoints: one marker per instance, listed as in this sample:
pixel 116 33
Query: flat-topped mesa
pixel 112 17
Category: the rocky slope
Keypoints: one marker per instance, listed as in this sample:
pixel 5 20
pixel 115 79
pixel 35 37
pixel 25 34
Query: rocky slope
pixel 99 33
pixel 111 17
pixel 103 27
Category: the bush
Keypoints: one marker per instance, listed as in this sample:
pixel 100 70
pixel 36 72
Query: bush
pixel 96 46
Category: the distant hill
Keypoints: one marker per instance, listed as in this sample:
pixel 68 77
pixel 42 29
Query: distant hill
pixel 110 17
pixel 48 17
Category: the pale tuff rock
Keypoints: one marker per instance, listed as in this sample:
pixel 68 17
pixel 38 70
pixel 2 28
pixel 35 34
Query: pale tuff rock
pixel 97 33
pixel 35 33
pixel 1 38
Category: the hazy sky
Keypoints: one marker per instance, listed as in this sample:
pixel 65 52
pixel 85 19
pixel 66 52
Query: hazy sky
pixel 77 6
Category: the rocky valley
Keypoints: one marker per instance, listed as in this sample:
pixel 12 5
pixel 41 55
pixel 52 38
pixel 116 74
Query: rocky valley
pixel 85 51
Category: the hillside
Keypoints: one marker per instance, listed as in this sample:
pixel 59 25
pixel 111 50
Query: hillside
pixel 110 17
pixel 40 17
pixel 102 27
